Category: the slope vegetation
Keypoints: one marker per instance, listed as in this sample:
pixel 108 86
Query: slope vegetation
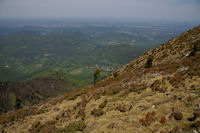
pixel 164 97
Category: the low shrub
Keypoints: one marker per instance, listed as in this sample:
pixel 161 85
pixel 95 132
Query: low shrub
pixel 96 96
pixel 121 108
pixel 81 114
pixel 112 91
pixel 125 92
pixel 48 127
pixel 97 112
pixel 16 115
pixel 178 116
pixel 111 126
pixel 163 120
pixel 115 74
pixel 148 119
pixel 102 105
pixel 74 126
pixel 156 86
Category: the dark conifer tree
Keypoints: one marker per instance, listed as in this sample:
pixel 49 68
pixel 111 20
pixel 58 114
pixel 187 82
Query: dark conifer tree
pixel 149 62
pixel 18 103
pixel 96 75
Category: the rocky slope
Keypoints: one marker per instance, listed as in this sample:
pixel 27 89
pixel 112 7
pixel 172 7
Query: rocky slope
pixel 164 97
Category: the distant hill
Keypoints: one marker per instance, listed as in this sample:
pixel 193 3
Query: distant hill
pixel 156 93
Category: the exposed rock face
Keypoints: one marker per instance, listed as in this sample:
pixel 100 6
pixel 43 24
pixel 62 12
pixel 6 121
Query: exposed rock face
pixel 161 98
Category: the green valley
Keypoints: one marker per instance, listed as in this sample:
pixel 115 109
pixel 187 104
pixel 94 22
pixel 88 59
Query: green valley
pixel 75 47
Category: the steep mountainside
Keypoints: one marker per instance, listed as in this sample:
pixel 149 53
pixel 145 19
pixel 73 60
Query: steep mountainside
pixel 158 92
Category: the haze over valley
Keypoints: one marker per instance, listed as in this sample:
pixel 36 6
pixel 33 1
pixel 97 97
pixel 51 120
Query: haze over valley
pixel 76 46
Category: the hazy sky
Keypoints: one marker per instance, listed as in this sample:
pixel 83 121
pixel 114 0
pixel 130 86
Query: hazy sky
pixel 160 9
